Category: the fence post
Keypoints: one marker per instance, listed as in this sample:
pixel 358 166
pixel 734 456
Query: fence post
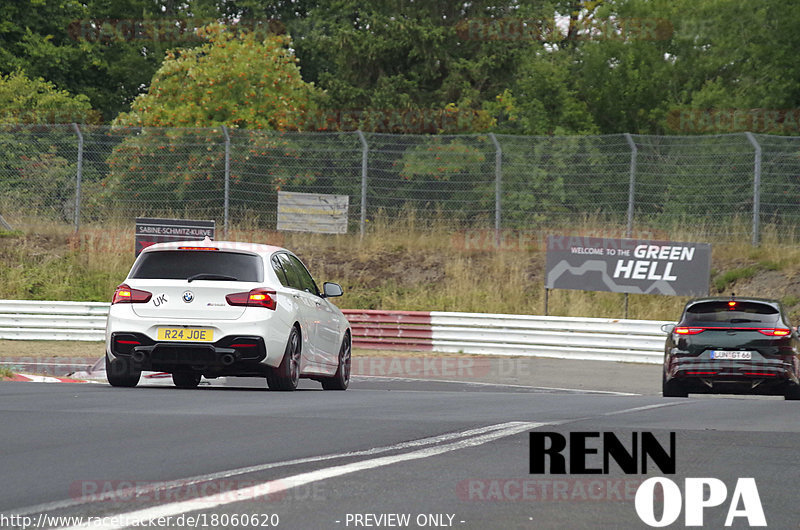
pixel 756 189
pixel 498 187
pixel 227 181
pixel 78 177
pixel 364 155
pixel 631 186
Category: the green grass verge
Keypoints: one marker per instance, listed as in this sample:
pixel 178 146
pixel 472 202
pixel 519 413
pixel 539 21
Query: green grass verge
pixel 729 277
pixel 396 266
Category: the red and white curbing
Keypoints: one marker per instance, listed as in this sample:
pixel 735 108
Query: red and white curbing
pixel 391 330
pixel 30 378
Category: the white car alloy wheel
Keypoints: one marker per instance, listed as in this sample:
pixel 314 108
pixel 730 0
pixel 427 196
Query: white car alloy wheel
pixel 341 379
pixel 287 375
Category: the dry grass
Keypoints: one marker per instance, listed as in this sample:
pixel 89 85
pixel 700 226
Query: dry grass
pixel 41 349
pixel 400 264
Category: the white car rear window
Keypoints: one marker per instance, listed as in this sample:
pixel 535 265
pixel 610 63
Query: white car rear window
pixel 185 264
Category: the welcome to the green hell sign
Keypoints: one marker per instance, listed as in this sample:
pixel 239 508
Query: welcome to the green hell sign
pixel 627 265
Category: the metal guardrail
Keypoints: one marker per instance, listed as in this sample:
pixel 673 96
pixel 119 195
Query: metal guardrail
pixel 445 332
pixel 46 320
pixel 601 339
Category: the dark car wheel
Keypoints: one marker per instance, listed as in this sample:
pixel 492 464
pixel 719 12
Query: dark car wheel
pixel 186 379
pixel 341 379
pixel 286 376
pixel 792 392
pixel 122 373
pixel 672 388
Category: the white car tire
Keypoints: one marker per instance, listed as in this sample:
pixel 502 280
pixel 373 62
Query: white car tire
pixel 287 374
pixel 341 379
pixel 122 373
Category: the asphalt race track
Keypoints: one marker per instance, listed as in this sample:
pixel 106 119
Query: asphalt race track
pixel 388 453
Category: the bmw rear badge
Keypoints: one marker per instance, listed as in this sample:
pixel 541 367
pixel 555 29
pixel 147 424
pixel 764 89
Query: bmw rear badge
pixel 188 296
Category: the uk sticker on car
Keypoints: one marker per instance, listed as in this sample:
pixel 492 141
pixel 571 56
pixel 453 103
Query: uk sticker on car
pixel 186 334
pixel 732 355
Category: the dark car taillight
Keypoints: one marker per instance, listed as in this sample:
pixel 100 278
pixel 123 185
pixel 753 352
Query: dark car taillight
pixel 126 295
pixel 688 331
pixel 776 332
pixel 771 332
pixel 254 298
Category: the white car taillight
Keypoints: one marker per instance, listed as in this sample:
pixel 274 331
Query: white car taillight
pixel 126 295
pixel 254 298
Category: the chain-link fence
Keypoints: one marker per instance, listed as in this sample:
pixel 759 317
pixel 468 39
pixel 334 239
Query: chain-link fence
pixel 723 187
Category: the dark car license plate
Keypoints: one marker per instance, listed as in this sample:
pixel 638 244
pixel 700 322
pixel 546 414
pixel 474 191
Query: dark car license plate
pixel 732 355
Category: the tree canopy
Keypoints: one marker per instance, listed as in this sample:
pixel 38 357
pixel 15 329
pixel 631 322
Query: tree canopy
pixel 238 78
pixel 25 100
pixel 520 66
pixel 81 46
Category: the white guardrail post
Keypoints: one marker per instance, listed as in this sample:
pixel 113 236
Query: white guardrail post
pixel 600 339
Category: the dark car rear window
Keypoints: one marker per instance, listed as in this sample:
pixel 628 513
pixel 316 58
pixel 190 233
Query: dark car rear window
pixel 183 264
pixel 742 312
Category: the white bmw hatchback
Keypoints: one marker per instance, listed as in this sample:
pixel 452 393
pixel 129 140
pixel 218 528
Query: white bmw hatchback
pixel 220 308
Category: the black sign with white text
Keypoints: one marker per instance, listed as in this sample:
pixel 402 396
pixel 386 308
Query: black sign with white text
pixel 150 231
pixel 628 265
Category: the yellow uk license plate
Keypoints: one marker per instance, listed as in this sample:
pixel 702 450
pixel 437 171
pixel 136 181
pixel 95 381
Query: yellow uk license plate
pixel 186 334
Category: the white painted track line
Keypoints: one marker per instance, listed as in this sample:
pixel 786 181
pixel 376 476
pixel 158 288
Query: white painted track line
pixel 198 479
pixel 275 486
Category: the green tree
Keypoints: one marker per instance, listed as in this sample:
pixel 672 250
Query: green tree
pixel 545 99
pixel 239 79
pixel 38 163
pixel 744 54
pixel 26 100
pixel 388 55
pixel 631 78
pixel 729 54
pixel 83 46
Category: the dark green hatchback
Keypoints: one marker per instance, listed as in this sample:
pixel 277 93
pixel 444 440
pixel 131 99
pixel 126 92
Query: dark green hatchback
pixel 732 346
